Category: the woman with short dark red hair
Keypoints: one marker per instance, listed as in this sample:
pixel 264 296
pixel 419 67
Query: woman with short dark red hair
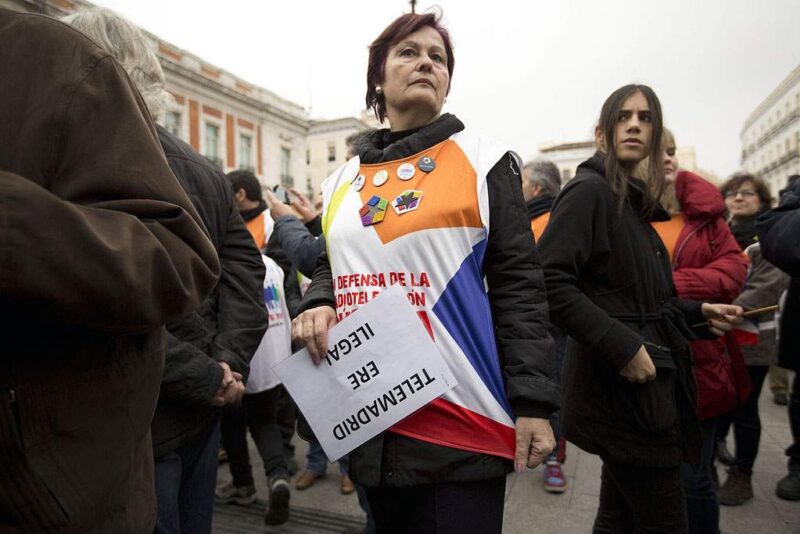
pixel 430 199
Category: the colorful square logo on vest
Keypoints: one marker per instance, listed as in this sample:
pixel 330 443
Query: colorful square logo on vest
pixel 407 201
pixel 373 211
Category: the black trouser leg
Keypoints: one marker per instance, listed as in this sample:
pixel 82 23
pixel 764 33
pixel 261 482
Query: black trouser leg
pixel 701 497
pixel 234 439
pixel 262 419
pixel 794 422
pixel 747 423
pixel 635 498
pixel 463 507
pixel 287 419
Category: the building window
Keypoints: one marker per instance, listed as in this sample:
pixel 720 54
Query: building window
pixel 286 158
pixel 566 174
pixel 245 152
pixel 331 151
pixel 211 143
pixel 172 122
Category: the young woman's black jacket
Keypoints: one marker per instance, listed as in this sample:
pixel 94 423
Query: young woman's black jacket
pixel 609 287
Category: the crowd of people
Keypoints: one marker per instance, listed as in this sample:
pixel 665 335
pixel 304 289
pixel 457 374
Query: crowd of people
pixel 634 311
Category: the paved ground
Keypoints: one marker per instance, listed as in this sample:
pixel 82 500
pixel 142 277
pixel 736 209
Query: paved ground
pixel 322 508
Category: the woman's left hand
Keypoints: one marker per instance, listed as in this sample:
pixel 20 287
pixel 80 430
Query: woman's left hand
pixel 722 317
pixel 535 442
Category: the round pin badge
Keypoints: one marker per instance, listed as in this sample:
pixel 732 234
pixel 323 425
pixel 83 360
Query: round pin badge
pixel 358 182
pixel 380 178
pixel 426 164
pixel 406 171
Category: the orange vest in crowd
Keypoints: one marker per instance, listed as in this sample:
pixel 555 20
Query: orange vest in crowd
pixel 669 231
pixel 258 231
pixel 538 225
pixel 260 227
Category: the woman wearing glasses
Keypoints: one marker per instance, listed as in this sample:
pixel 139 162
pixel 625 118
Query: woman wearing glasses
pixel 746 196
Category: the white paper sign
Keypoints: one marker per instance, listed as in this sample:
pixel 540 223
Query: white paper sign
pixel 381 366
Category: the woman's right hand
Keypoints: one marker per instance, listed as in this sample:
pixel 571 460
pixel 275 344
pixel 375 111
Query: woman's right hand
pixel 641 368
pixel 311 328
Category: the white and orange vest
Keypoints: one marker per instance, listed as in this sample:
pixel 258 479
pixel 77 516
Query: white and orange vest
pixel 436 252
pixel 276 345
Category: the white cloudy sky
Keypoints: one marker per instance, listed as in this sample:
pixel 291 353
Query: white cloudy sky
pixel 526 72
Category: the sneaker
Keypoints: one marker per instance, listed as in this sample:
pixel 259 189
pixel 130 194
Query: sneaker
pixel 737 489
pixel 724 456
pixel 780 399
pixel 789 486
pixel 554 479
pixel 278 508
pixel 230 494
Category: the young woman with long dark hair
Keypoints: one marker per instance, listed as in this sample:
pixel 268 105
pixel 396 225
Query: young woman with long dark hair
pixel 628 391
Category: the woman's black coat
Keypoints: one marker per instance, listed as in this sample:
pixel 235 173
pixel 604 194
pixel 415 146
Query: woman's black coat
pixel 610 289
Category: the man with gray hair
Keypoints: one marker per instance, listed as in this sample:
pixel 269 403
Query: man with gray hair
pixel 541 182
pixel 209 350
pixel 100 249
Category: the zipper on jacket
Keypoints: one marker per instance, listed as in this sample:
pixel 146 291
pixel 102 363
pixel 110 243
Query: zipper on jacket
pixel 680 248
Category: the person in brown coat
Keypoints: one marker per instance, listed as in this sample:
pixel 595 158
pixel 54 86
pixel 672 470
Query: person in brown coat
pixel 99 248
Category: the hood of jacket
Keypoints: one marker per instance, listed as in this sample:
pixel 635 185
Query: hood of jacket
pixel 699 198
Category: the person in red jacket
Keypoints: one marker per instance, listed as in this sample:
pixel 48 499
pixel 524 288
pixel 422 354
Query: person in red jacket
pixel 707 265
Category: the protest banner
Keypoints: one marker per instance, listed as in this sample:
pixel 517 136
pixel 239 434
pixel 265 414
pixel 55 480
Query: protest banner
pixel 381 366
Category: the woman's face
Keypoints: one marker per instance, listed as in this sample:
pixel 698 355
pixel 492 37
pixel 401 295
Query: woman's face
pixel 743 201
pixel 416 76
pixel 633 131
pixel 670 164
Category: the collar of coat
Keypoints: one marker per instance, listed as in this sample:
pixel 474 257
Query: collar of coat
pixel 539 205
pixel 385 145
pixel 249 215
pixel 637 189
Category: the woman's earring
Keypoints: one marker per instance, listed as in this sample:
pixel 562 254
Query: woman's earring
pixel 378 89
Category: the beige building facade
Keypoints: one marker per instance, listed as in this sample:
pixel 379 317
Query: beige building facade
pixel 771 134
pixel 567 157
pixel 234 123
pixel 327 149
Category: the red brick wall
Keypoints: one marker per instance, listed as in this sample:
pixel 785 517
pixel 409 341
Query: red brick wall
pixel 231 140
pixel 194 125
